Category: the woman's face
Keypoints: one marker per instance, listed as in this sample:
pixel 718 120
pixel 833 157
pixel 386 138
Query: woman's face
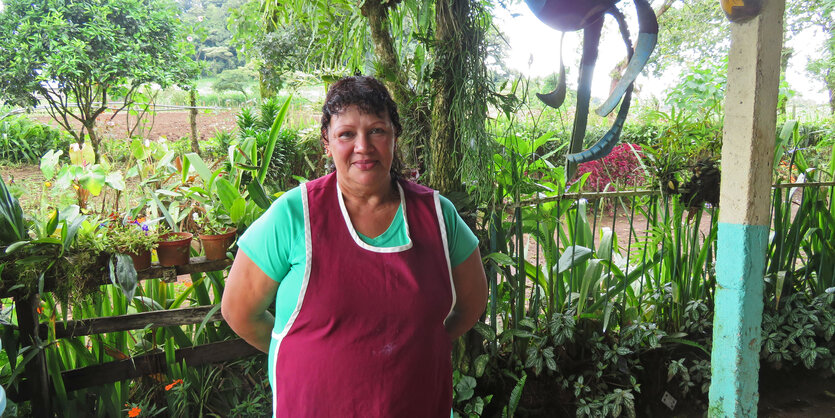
pixel 362 147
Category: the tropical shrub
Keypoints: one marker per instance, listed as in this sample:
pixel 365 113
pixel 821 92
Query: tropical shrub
pixel 76 56
pixel 621 169
pixel 25 141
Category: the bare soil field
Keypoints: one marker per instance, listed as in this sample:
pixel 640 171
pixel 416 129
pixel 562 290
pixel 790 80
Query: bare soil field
pixel 169 124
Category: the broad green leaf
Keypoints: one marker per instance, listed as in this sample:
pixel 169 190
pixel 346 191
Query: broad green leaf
pixel 238 210
pixel 87 154
pixel 93 181
pixel 201 168
pixel 501 259
pixel 165 160
pixel 485 330
pixel 573 256
pixel 16 245
pixel 12 227
pixel 516 395
pixel 604 249
pixel 590 280
pixel 168 219
pixel 144 304
pixel 257 194
pixel 123 274
pixel 114 179
pixel 49 162
pixel 274 130
pixel 138 149
pixel 227 193
pixel 465 388
pixel 480 364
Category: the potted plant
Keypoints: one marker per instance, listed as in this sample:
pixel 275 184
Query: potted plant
pixel 134 238
pixel 173 249
pixel 215 232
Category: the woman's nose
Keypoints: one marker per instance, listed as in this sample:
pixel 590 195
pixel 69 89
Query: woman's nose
pixel 362 143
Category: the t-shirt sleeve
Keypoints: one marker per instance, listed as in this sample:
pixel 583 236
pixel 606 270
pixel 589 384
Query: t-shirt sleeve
pixel 269 241
pixel 461 240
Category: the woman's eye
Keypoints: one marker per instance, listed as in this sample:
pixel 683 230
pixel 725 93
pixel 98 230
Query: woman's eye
pixel 377 131
pixel 346 135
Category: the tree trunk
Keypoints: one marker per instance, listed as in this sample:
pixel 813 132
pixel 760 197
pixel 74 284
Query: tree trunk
pixel 413 117
pixel 90 127
pixel 192 119
pixel 785 56
pixel 264 89
pixel 444 149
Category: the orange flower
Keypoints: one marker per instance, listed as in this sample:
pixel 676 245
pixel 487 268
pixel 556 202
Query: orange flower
pixel 39 310
pixel 134 412
pixel 172 384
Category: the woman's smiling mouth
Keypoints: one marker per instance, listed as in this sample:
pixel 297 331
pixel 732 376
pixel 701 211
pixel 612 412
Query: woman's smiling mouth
pixel 365 164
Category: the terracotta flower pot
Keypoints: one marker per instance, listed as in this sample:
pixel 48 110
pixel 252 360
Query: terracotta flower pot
pixel 174 248
pixel 215 246
pixel 141 260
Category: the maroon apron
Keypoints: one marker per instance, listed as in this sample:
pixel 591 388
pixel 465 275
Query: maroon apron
pixel 367 338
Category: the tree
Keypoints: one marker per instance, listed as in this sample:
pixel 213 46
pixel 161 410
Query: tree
pixel 77 56
pixel 431 56
pixel 683 28
pixel 238 79
pixel 819 14
pixel 212 38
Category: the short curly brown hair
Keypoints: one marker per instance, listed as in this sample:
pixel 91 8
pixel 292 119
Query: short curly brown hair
pixel 370 96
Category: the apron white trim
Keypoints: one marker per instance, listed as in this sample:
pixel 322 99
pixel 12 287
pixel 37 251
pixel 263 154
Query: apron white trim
pixel 356 237
pixel 308 248
pixel 442 225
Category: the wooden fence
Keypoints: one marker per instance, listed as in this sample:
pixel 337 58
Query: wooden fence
pixel 37 387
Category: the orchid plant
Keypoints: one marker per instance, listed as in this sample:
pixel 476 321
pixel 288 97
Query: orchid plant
pixel 127 235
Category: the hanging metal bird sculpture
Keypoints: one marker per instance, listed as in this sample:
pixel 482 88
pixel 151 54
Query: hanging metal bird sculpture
pixel 587 15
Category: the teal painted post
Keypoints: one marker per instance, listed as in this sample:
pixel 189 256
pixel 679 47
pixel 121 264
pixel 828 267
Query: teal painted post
pixel 740 267
pixel 747 158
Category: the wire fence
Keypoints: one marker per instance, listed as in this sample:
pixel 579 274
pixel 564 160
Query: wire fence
pixel 643 256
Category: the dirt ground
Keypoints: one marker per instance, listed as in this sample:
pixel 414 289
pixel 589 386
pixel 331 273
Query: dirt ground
pixel 169 124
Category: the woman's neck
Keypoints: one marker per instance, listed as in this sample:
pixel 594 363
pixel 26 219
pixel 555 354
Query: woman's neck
pixel 370 210
pixel 367 196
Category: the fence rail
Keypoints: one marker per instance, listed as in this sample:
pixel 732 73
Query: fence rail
pixel 644 192
pixel 37 386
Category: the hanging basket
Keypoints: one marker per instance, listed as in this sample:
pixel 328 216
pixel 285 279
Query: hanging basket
pixel 216 245
pixel 174 249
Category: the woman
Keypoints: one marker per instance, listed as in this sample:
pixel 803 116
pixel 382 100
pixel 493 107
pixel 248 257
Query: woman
pixel 373 277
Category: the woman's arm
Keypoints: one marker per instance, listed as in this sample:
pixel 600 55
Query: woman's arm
pixel 470 295
pixel 246 297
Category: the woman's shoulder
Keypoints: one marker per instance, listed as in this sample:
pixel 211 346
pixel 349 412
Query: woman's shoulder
pixel 414 188
pixel 287 205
